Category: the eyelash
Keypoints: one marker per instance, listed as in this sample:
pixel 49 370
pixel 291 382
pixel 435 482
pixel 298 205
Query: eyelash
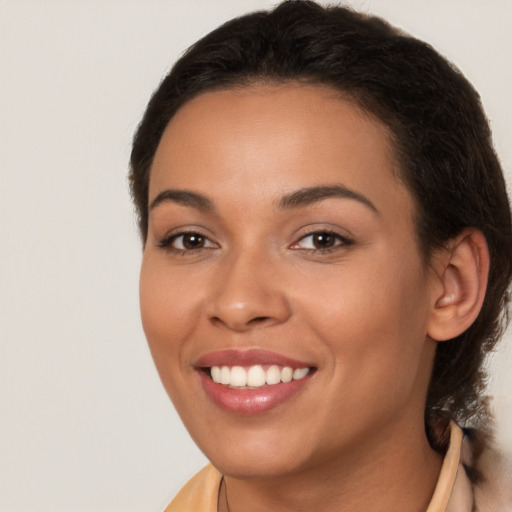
pixel 340 241
pixel 166 243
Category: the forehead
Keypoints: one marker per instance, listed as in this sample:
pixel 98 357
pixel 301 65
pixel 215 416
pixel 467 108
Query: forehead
pixel 265 140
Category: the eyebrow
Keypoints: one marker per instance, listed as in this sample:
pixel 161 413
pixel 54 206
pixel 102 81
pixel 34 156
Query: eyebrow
pixel 184 198
pixel 301 197
pixel 311 195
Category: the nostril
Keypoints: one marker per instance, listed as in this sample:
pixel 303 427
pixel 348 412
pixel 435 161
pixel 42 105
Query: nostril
pixel 216 320
pixel 241 324
pixel 259 319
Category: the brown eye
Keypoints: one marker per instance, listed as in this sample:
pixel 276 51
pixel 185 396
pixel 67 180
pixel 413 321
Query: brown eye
pixel 188 241
pixel 192 241
pixel 323 240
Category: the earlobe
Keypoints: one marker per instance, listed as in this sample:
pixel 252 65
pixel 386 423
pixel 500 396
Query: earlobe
pixel 462 272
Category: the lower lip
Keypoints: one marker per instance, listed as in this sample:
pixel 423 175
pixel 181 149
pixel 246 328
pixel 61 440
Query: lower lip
pixel 250 401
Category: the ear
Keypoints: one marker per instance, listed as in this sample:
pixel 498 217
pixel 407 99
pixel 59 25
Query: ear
pixel 461 271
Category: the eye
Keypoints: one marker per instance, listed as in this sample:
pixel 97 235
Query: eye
pixel 185 242
pixel 322 241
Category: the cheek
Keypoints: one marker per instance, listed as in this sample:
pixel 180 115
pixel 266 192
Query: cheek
pixel 372 318
pixel 164 319
pixel 162 313
pixel 154 302
pixel 166 301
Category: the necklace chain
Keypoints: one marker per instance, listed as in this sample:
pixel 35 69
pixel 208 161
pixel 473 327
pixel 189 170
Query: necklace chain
pixel 224 494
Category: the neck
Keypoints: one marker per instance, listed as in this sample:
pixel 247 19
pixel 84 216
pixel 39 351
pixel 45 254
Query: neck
pixel 385 475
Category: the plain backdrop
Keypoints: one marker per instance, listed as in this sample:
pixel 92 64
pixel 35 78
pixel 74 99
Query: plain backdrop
pixel 84 422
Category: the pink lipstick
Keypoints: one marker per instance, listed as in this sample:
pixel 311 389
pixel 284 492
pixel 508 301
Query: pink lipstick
pixel 251 381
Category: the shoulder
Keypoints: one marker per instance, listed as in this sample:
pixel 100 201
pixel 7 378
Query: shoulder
pixel 200 493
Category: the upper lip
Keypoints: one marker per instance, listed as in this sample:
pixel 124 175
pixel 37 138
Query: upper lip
pixel 250 357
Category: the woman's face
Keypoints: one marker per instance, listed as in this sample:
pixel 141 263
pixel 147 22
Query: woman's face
pixel 281 246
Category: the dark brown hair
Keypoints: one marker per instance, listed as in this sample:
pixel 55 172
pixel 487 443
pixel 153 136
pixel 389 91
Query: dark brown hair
pixel 440 134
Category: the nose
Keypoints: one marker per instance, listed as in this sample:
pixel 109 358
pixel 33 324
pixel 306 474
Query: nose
pixel 247 293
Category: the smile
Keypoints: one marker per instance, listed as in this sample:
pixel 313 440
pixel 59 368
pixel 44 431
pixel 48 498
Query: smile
pixel 255 376
pixel 252 381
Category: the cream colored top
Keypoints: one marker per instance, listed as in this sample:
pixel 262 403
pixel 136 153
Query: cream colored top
pixel 453 491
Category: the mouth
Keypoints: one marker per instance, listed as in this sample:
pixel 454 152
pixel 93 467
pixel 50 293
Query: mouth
pixel 255 376
pixel 252 382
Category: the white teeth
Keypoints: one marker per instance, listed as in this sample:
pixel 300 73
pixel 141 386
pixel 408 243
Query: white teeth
pixel 215 371
pixel 255 376
pixel 300 373
pixel 273 375
pixel 286 374
pixel 238 377
pixel 225 375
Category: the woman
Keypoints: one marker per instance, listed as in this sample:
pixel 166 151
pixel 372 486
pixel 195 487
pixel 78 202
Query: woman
pixel 326 257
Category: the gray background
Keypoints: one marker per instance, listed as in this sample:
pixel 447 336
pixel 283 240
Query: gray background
pixel 84 422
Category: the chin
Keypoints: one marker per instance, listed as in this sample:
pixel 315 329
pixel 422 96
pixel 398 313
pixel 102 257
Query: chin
pixel 256 455
pixel 263 466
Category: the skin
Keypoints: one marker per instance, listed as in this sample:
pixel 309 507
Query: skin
pixel 353 437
